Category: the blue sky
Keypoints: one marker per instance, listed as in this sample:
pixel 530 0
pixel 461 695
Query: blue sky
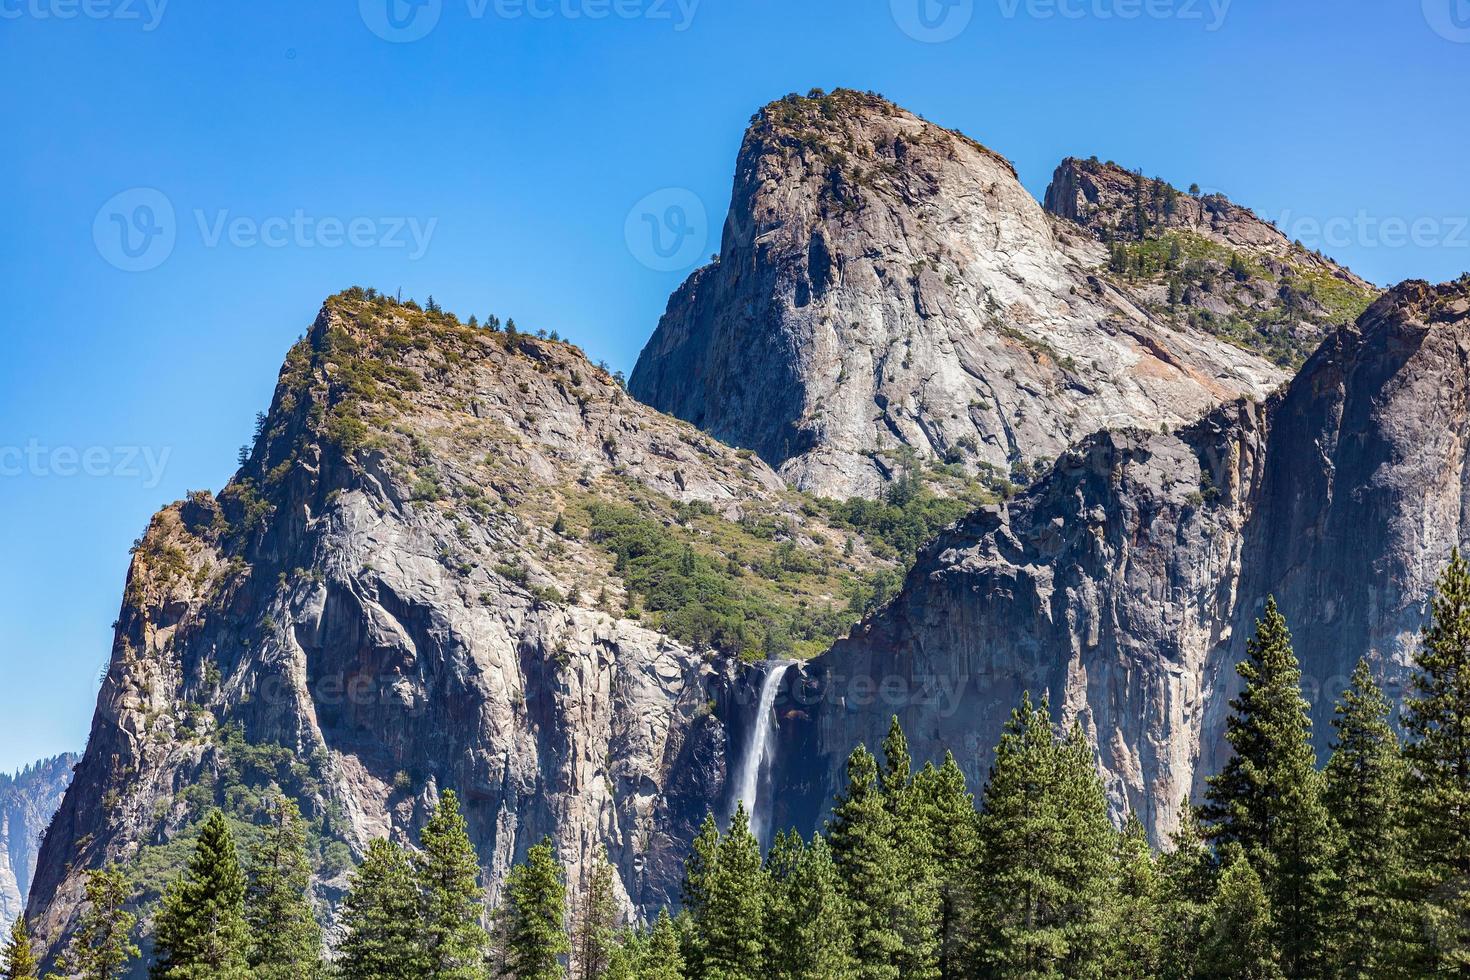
pixel 300 145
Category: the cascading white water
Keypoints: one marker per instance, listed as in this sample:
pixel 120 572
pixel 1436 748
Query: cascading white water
pixel 759 749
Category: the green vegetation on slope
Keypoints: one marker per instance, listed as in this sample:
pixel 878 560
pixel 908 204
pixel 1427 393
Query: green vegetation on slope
pixel 1268 308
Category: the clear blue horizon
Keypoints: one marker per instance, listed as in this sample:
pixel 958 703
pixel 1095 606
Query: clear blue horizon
pixel 186 185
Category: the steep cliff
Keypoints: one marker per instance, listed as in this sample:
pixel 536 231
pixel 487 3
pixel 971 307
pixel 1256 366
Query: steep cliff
pixel 27 801
pixel 885 283
pixel 456 559
pixel 1124 584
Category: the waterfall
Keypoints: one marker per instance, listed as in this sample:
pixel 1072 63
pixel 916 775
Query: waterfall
pixel 759 750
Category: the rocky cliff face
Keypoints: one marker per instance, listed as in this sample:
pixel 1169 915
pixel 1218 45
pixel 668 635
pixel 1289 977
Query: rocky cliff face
pixel 884 283
pixel 27 801
pixel 1125 583
pixel 412 585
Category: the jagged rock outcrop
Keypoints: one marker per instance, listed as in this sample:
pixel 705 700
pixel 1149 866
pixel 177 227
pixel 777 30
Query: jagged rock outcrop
pixel 884 283
pixel 27 801
pixel 1125 583
pixel 408 587
pixel 1201 262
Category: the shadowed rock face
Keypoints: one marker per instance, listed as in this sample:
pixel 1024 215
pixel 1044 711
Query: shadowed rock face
pixel 386 592
pixel 27 801
pixel 885 283
pixel 1125 583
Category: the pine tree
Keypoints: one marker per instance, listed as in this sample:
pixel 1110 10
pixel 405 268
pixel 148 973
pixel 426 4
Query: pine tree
pixel 1268 799
pixel 650 955
pixel 381 919
pixel 1437 718
pixel 1238 944
pixel 1045 872
pixel 535 914
pixel 949 811
pixel 699 869
pixel 102 944
pixel 597 912
pixel 731 924
pixel 200 929
pixel 917 907
pixel 286 941
pixel 860 833
pixel 661 957
pixel 805 927
pixel 782 952
pixel 1136 920
pixel 18 959
pixel 1187 882
pixel 1362 795
pixel 448 874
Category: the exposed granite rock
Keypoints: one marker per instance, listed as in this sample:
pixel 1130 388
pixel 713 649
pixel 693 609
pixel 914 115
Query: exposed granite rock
pixel 27 801
pixel 1125 583
pixel 395 589
pixel 883 283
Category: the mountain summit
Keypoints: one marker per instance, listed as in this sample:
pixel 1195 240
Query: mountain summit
pixel 887 286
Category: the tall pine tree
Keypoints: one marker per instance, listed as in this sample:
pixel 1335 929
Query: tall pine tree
pixel 1437 718
pixel 286 941
pixel 1136 920
pixel 917 906
pixel 731 924
pixel 18 958
pixel 454 940
pixel 1268 797
pixel 1363 780
pixel 860 834
pixel 806 931
pixel 381 919
pixel 699 870
pixel 1045 873
pixel 949 812
pixel 536 908
pixel 200 930
pixel 102 944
